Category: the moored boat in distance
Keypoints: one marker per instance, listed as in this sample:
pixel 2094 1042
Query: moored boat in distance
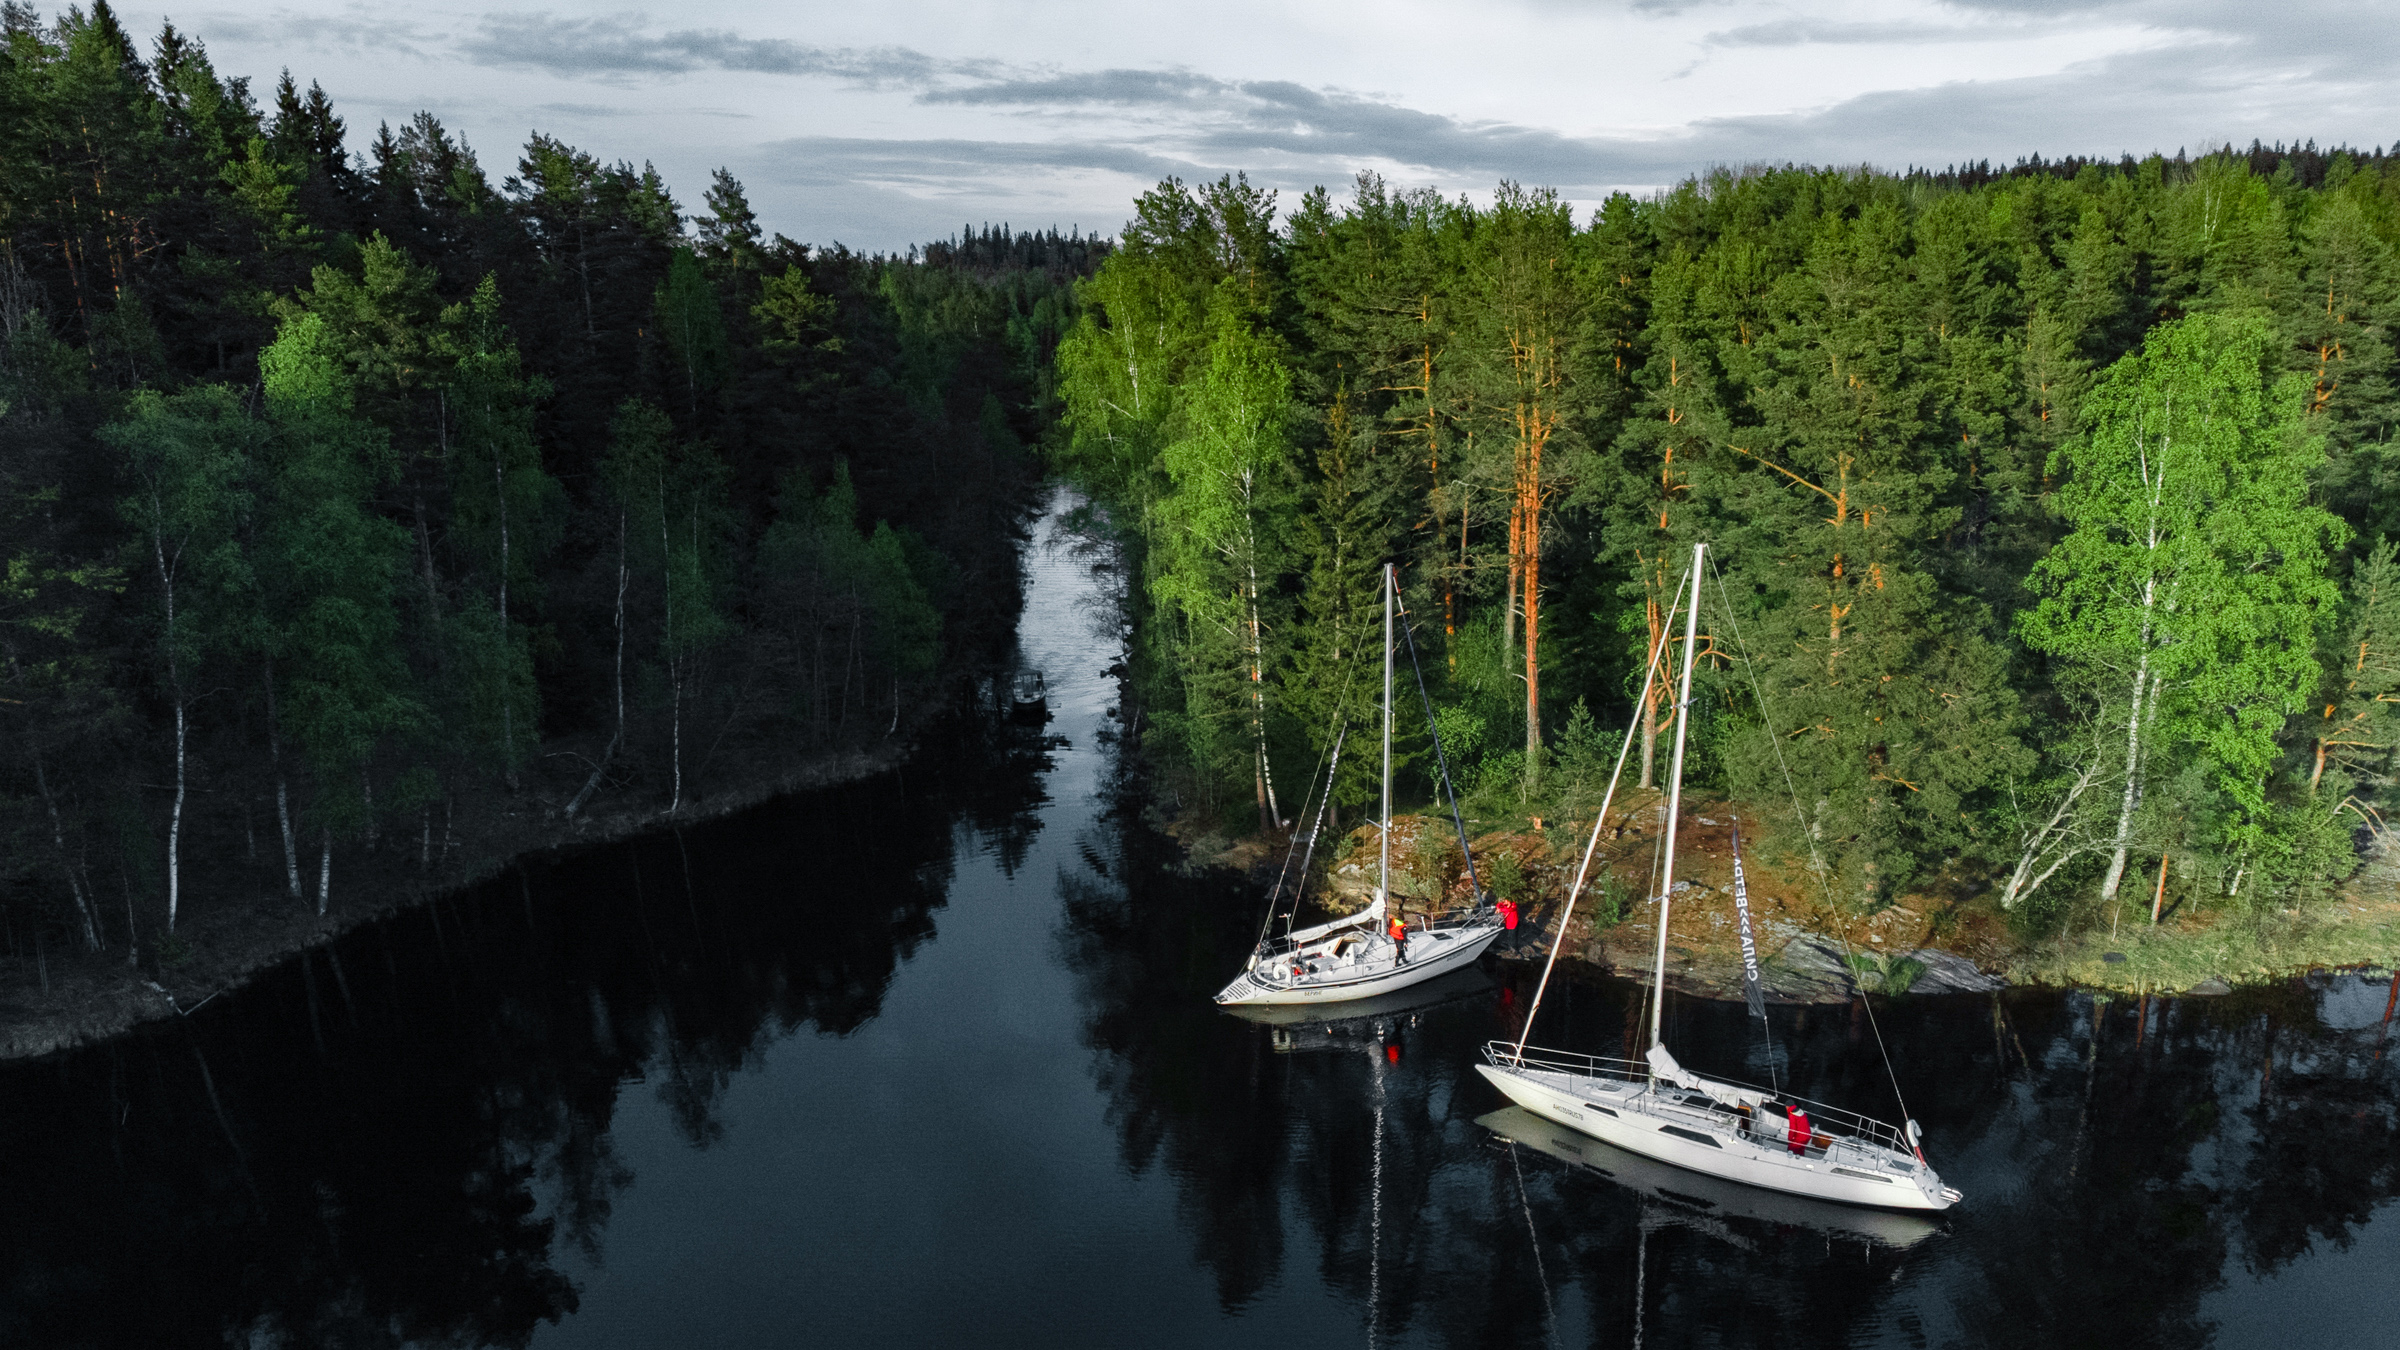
pixel 1359 956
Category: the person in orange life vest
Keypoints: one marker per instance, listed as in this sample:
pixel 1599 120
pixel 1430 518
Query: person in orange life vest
pixel 1508 915
pixel 1799 1132
pixel 1399 940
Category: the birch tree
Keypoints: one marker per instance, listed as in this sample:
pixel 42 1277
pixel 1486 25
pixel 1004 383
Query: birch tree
pixel 1223 548
pixel 2185 600
pixel 189 456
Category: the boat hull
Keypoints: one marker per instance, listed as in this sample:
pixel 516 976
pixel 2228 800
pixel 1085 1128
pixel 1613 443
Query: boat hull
pixel 1583 1103
pixel 1704 1197
pixel 1431 955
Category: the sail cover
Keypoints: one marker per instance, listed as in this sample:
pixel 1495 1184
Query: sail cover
pixel 1741 906
pixel 1664 1065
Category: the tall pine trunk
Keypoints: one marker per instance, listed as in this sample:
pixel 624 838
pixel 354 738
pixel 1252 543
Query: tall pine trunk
pixel 283 795
pixel 508 711
pixel 1533 618
pixel 617 735
pixel 66 861
pixel 666 549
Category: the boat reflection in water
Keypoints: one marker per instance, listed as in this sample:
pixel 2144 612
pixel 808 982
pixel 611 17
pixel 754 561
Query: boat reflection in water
pixel 1705 1201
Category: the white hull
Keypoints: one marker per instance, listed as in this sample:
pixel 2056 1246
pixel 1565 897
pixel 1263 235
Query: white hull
pixel 1705 1198
pixel 1632 1116
pixel 1370 969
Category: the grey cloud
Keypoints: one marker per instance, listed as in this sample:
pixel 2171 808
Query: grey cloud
pixel 1120 87
pixel 622 47
pixel 957 165
pixel 288 28
pixel 1794 32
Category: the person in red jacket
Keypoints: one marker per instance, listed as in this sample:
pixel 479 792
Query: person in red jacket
pixel 1798 1132
pixel 1508 915
pixel 1399 941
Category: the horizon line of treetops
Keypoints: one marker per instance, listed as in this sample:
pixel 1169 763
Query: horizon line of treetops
pixel 344 499
pixel 2053 509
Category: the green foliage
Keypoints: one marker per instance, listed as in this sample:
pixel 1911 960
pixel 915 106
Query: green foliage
pixel 299 509
pixel 2188 595
pixel 692 322
pixel 1883 402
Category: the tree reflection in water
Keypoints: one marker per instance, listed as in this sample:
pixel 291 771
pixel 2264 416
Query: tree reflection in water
pixel 2116 1155
pixel 406 1137
pixel 350 1151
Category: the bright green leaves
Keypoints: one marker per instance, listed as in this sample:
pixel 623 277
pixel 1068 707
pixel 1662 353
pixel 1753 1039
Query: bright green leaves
pixel 2187 596
pixel 1220 547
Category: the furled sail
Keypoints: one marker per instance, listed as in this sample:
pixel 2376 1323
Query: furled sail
pixel 1741 906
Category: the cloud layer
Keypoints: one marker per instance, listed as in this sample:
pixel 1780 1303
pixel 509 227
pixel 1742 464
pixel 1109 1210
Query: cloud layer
pixel 848 118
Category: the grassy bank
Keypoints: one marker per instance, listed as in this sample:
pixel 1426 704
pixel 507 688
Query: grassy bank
pixel 2350 930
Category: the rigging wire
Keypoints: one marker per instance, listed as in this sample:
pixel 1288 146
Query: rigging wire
pixel 1474 883
pixel 1275 892
pixel 1849 953
pixel 1599 822
pixel 1341 724
pixel 1299 884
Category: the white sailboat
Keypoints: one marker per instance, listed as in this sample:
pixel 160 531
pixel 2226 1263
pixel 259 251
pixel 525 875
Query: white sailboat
pixel 1659 1109
pixel 1356 957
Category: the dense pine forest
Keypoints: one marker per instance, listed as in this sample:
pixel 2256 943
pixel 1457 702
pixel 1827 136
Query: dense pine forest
pixel 2051 509
pixel 343 489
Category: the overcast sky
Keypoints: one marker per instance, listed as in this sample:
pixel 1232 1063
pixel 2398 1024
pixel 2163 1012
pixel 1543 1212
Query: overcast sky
pixel 880 124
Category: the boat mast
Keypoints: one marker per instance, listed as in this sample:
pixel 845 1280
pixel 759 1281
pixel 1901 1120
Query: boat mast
pixel 1383 875
pixel 1683 722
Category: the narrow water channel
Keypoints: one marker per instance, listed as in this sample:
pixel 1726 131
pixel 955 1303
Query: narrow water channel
pixel 929 1060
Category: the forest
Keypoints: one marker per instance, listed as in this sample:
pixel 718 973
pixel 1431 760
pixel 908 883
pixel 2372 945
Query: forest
pixel 344 490
pixel 2051 509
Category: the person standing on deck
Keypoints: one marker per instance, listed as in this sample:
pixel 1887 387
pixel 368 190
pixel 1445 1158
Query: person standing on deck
pixel 1399 941
pixel 1799 1132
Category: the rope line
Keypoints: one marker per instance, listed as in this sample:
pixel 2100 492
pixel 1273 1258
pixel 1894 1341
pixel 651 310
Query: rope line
pixel 1849 953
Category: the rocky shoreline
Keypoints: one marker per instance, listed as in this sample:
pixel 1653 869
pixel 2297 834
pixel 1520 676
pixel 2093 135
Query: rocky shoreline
pixel 1807 953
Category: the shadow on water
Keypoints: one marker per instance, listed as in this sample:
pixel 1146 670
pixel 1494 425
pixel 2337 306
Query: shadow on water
pixel 348 1151
pixel 420 1134
pixel 2126 1162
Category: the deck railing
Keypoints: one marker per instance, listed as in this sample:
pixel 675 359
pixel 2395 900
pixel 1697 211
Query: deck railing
pixel 1823 1119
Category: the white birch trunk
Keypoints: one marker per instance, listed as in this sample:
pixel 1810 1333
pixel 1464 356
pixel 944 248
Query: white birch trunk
pixel 166 581
pixel 324 868
pixel 2132 798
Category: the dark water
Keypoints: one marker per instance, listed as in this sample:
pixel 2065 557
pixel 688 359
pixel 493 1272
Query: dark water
pixel 930 1060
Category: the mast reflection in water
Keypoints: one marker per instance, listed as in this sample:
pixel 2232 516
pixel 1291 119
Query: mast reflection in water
pixel 932 1060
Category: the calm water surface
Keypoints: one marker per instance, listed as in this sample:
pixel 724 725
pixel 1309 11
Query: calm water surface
pixel 930 1060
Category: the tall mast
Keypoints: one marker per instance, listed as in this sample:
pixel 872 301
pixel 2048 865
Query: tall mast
pixel 1683 722
pixel 1383 879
